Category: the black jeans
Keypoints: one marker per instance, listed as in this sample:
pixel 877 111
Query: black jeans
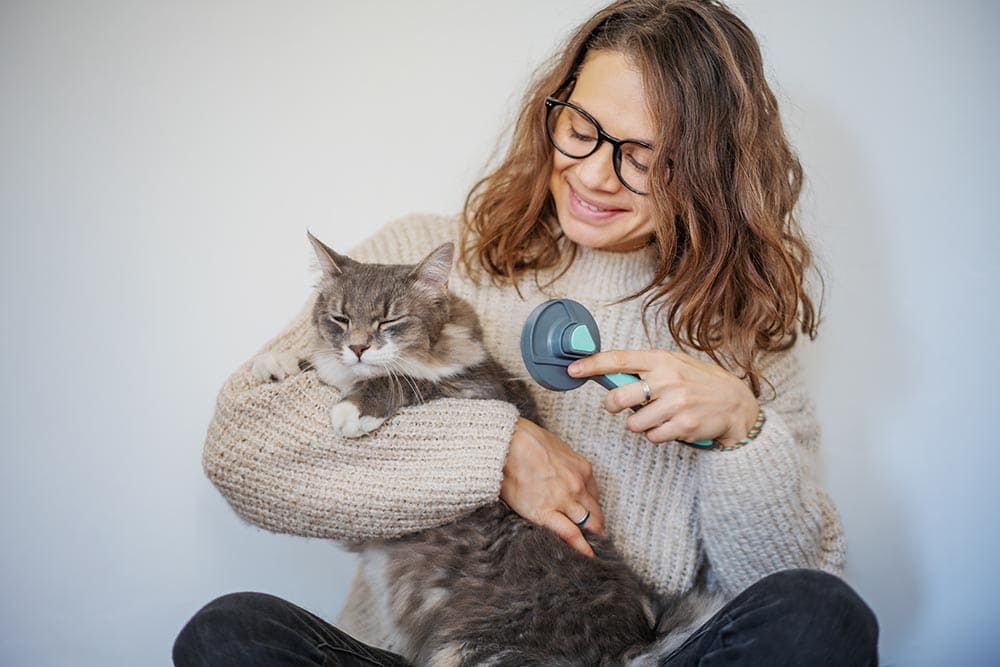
pixel 795 617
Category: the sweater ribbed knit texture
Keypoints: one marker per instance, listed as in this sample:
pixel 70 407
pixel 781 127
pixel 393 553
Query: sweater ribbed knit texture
pixel 671 510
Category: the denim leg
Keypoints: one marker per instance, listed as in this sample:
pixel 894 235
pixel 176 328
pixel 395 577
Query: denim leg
pixel 249 629
pixel 794 617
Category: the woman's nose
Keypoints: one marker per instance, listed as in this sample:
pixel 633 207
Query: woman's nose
pixel 597 171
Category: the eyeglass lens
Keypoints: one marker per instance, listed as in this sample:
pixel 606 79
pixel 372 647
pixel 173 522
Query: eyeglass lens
pixel 575 135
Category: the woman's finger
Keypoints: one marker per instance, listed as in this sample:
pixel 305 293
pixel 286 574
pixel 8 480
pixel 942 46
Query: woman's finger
pixel 668 432
pixel 596 521
pixel 651 416
pixel 587 514
pixel 570 533
pixel 629 396
pixel 614 361
pixel 590 498
pixel 579 515
pixel 687 426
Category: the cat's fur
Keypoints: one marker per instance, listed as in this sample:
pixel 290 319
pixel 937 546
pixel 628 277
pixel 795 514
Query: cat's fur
pixel 492 588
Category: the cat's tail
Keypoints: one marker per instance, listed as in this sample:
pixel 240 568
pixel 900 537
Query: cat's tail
pixel 679 619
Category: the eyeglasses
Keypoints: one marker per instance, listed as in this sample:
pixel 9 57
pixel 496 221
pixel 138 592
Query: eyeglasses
pixel 577 134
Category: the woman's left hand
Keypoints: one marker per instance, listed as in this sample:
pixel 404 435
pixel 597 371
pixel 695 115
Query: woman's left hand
pixel 690 399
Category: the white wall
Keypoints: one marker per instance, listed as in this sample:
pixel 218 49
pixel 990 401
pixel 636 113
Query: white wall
pixel 160 162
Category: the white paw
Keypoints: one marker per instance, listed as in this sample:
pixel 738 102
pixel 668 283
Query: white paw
pixel 348 422
pixel 275 366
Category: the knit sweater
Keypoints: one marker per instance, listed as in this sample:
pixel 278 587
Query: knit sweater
pixel 673 511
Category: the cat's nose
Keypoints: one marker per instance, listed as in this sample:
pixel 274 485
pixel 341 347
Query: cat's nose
pixel 358 349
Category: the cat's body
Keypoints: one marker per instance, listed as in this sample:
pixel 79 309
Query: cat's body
pixel 491 588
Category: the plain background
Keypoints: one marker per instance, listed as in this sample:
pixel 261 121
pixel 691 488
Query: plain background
pixel 160 163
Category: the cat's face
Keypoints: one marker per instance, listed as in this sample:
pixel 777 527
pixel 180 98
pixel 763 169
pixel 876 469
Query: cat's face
pixel 374 319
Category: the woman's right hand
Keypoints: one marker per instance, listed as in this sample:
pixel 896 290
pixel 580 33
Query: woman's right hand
pixel 550 485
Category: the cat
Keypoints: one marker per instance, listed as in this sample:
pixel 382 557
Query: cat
pixel 491 588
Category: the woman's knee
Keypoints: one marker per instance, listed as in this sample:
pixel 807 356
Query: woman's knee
pixel 223 620
pixel 244 603
pixel 808 588
pixel 827 604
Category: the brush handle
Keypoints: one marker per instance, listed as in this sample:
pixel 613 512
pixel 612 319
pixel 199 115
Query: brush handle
pixel 614 380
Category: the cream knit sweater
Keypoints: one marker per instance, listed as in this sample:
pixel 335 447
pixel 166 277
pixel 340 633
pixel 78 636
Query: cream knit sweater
pixel 672 510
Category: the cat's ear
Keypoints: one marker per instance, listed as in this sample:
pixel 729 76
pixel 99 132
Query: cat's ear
pixel 330 261
pixel 436 267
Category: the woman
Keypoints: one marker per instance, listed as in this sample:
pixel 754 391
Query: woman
pixel 649 178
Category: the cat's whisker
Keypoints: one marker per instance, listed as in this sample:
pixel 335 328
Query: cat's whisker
pixel 416 388
pixel 395 386
pixel 395 391
pixel 403 376
pixel 413 384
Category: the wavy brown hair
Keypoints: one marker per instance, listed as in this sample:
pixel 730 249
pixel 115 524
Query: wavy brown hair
pixel 731 282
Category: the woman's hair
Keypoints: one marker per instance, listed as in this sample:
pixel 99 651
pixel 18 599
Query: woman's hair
pixel 731 282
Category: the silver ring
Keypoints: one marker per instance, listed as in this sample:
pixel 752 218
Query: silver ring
pixel 645 389
pixel 584 519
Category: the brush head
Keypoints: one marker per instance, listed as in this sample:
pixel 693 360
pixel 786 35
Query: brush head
pixel 557 333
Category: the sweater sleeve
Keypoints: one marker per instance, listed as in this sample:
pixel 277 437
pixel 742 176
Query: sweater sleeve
pixel 272 454
pixel 762 509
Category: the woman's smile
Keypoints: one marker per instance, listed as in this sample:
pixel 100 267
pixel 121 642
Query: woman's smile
pixel 590 209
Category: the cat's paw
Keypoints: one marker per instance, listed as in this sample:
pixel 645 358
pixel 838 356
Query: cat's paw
pixel 275 366
pixel 348 421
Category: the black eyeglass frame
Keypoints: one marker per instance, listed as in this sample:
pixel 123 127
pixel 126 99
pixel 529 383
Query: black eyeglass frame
pixel 551 102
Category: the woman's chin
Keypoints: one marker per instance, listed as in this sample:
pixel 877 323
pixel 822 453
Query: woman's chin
pixel 607 235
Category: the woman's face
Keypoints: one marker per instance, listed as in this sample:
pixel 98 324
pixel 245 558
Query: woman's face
pixel 594 208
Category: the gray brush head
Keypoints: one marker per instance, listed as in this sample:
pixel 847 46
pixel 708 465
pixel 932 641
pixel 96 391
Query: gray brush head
pixel 557 333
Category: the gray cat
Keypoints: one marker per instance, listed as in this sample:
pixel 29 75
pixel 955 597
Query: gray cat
pixel 492 588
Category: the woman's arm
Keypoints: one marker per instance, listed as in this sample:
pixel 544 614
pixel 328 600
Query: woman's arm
pixel 271 452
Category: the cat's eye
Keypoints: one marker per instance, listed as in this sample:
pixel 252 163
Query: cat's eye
pixel 339 319
pixel 388 324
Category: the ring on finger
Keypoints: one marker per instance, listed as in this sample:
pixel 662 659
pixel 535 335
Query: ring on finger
pixel 584 519
pixel 648 395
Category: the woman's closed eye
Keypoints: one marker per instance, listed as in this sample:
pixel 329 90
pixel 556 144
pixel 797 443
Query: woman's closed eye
pixel 634 163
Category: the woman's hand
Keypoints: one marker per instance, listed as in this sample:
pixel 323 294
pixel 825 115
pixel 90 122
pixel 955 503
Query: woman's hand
pixel 549 484
pixel 690 399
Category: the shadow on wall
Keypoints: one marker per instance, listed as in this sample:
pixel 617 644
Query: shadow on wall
pixel 855 367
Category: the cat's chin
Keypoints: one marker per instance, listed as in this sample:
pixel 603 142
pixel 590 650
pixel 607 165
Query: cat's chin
pixel 336 373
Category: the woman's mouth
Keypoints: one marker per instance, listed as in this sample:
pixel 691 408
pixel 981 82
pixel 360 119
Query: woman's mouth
pixel 589 206
pixel 590 210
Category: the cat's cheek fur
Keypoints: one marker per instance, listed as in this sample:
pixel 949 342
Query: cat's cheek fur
pixel 347 421
pixel 332 372
pixel 275 366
